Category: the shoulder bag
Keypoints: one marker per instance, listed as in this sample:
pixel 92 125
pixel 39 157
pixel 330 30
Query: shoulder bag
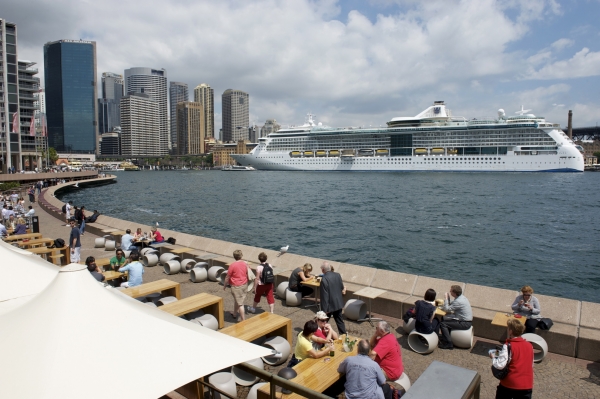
pixel 544 323
pixel 502 373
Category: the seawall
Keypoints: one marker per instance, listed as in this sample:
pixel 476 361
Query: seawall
pixel 576 330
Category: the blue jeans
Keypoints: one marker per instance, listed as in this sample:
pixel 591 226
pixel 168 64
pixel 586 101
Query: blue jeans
pixel 82 227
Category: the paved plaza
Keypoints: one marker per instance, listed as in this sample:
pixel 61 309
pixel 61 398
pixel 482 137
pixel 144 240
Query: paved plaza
pixel 556 377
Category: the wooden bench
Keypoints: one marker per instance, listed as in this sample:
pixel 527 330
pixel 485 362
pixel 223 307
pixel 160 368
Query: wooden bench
pixel 211 304
pixel 170 288
pixel 264 324
pixel 39 242
pixel 20 237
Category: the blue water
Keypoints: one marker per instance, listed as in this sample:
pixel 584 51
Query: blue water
pixel 504 230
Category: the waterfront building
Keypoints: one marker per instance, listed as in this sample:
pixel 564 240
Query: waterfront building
pixel 28 86
pixel 109 113
pixel 152 83
pixel 140 125
pixel 71 95
pixel 110 142
pixel 204 95
pixel 270 126
pixel 178 93
pixel 236 115
pixel 40 103
pixel 190 128
pixel 222 152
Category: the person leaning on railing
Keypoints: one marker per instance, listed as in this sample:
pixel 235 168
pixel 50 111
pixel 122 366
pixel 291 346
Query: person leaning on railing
pixel 528 306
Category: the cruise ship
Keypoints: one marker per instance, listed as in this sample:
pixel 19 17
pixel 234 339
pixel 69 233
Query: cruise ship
pixel 433 140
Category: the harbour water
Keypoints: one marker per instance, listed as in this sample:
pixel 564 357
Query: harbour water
pixel 503 230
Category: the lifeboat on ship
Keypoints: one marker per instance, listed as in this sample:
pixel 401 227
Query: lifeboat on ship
pixel 348 154
pixel 334 153
pixel 420 151
pixel 365 153
pixel 321 153
pixel 437 151
pixel 382 152
pixel 295 154
pixel 309 154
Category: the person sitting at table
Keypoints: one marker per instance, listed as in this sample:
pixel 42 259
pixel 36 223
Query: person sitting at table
pixel 20 227
pixel 135 269
pixel 298 276
pixel 519 381
pixel 118 260
pixel 10 222
pixel 90 262
pixel 304 348
pixel 425 321
pixel 324 334
pixel 386 351
pixel 528 306
pixel 155 236
pixel 127 241
pixel 3 231
pixel 460 319
pixel 30 212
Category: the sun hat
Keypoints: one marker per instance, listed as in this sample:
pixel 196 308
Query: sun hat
pixel 322 315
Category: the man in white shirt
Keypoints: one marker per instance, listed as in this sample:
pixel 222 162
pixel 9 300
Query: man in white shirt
pixel 31 212
pixel 68 211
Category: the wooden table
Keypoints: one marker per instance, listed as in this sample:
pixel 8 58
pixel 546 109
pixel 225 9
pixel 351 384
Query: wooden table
pixel 500 319
pixel 316 284
pixel 208 257
pixel 439 311
pixel 181 250
pixel 369 292
pixel 22 236
pixel 112 275
pixel 43 251
pixel 169 287
pixel 268 324
pixel 315 374
pixel 103 262
pixel 211 304
pixel 35 242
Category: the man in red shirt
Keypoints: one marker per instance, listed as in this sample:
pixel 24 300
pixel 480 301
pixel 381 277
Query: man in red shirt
pixel 237 277
pixel 386 351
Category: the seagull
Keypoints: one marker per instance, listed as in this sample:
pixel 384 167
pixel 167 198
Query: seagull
pixel 156 224
pixel 283 250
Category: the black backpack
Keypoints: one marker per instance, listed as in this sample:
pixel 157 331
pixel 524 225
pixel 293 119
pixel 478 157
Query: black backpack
pixel 267 276
pixel 171 240
pixel 59 243
pixel 64 208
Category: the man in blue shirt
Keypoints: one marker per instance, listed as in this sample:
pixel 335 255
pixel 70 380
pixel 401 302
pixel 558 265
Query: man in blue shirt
pixel 126 241
pixel 75 241
pixel 135 269
pixel 364 378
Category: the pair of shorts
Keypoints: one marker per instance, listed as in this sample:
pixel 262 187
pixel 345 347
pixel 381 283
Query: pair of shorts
pixel 76 255
pixel 239 293
pixel 266 290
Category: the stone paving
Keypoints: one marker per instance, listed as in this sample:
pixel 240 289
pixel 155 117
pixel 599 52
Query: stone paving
pixel 557 376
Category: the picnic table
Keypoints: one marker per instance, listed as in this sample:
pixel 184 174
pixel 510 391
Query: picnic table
pixel 22 236
pixel 169 287
pixel 211 304
pixel 501 319
pixel 35 242
pixel 268 324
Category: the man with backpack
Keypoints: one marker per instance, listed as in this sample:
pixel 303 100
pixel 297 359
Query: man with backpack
pixel 263 285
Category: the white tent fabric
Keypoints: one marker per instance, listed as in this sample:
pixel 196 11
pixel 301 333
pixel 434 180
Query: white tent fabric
pixel 21 276
pixel 77 339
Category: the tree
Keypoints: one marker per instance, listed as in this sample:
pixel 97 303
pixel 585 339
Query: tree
pixel 209 159
pixel 52 155
pixel 597 155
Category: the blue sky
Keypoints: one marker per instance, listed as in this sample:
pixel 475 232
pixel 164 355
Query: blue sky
pixel 349 62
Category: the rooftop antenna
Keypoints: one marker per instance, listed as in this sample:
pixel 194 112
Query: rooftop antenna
pixel 522 111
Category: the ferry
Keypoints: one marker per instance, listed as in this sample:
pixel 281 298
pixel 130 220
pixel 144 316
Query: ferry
pixel 237 168
pixel 434 140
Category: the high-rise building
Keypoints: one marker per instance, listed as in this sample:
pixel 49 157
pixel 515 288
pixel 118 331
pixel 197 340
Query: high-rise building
pixel 178 93
pixel 109 114
pixel 190 128
pixel 152 82
pixel 18 84
pixel 270 126
pixel 71 95
pixel 140 125
pixel 110 143
pixel 236 115
pixel 204 95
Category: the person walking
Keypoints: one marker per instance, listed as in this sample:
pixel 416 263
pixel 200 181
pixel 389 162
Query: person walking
pixel 518 384
pixel 263 285
pixel 237 277
pixel 332 291
pixel 80 217
pixel 31 193
pixel 75 242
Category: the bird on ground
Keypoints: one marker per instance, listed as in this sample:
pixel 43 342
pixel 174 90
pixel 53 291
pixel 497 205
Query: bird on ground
pixel 156 224
pixel 283 250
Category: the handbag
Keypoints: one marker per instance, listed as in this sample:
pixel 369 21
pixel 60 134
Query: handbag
pixel 545 323
pixel 251 275
pixel 502 373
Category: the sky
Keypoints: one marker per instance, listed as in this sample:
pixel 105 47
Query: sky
pixel 350 63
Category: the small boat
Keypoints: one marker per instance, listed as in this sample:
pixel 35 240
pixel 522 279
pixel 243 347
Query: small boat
pixel 437 150
pixel 237 168
pixel 295 154
pixel 334 153
pixel 309 154
pixel 420 150
pixel 382 152
pixel 321 153
pixel 365 153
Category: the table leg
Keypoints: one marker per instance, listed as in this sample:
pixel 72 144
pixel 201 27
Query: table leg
pixel 370 318
pixel 221 313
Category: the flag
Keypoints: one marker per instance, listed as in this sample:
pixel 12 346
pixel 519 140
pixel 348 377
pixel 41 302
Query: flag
pixel 32 127
pixel 15 123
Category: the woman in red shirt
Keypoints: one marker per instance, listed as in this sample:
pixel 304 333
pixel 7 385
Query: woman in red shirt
pixel 518 384
pixel 155 236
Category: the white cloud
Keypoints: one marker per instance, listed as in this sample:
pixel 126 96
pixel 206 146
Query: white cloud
pixel 561 44
pixel 304 55
pixel 583 64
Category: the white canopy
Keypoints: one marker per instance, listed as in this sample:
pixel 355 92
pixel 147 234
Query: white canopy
pixel 21 276
pixel 78 339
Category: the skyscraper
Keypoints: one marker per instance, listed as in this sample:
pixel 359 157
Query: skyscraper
pixel 190 128
pixel 71 95
pixel 178 93
pixel 109 114
pixel 140 125
pixel 204 95
pixel 236 115
pixel 18 84
pixel 152 82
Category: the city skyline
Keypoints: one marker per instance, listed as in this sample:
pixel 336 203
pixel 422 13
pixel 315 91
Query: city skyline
pixel 351 62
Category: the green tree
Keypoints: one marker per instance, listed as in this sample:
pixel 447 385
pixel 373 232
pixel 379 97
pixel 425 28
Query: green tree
pixel 208 159
pixel 597 155
pixel 52 155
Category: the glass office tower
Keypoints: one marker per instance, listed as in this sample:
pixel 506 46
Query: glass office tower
pixel 71 95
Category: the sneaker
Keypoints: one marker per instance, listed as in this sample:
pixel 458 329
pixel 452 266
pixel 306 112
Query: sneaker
pixel 251 309
pixel 445 346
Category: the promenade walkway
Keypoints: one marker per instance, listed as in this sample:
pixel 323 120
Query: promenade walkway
pixel 556 377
